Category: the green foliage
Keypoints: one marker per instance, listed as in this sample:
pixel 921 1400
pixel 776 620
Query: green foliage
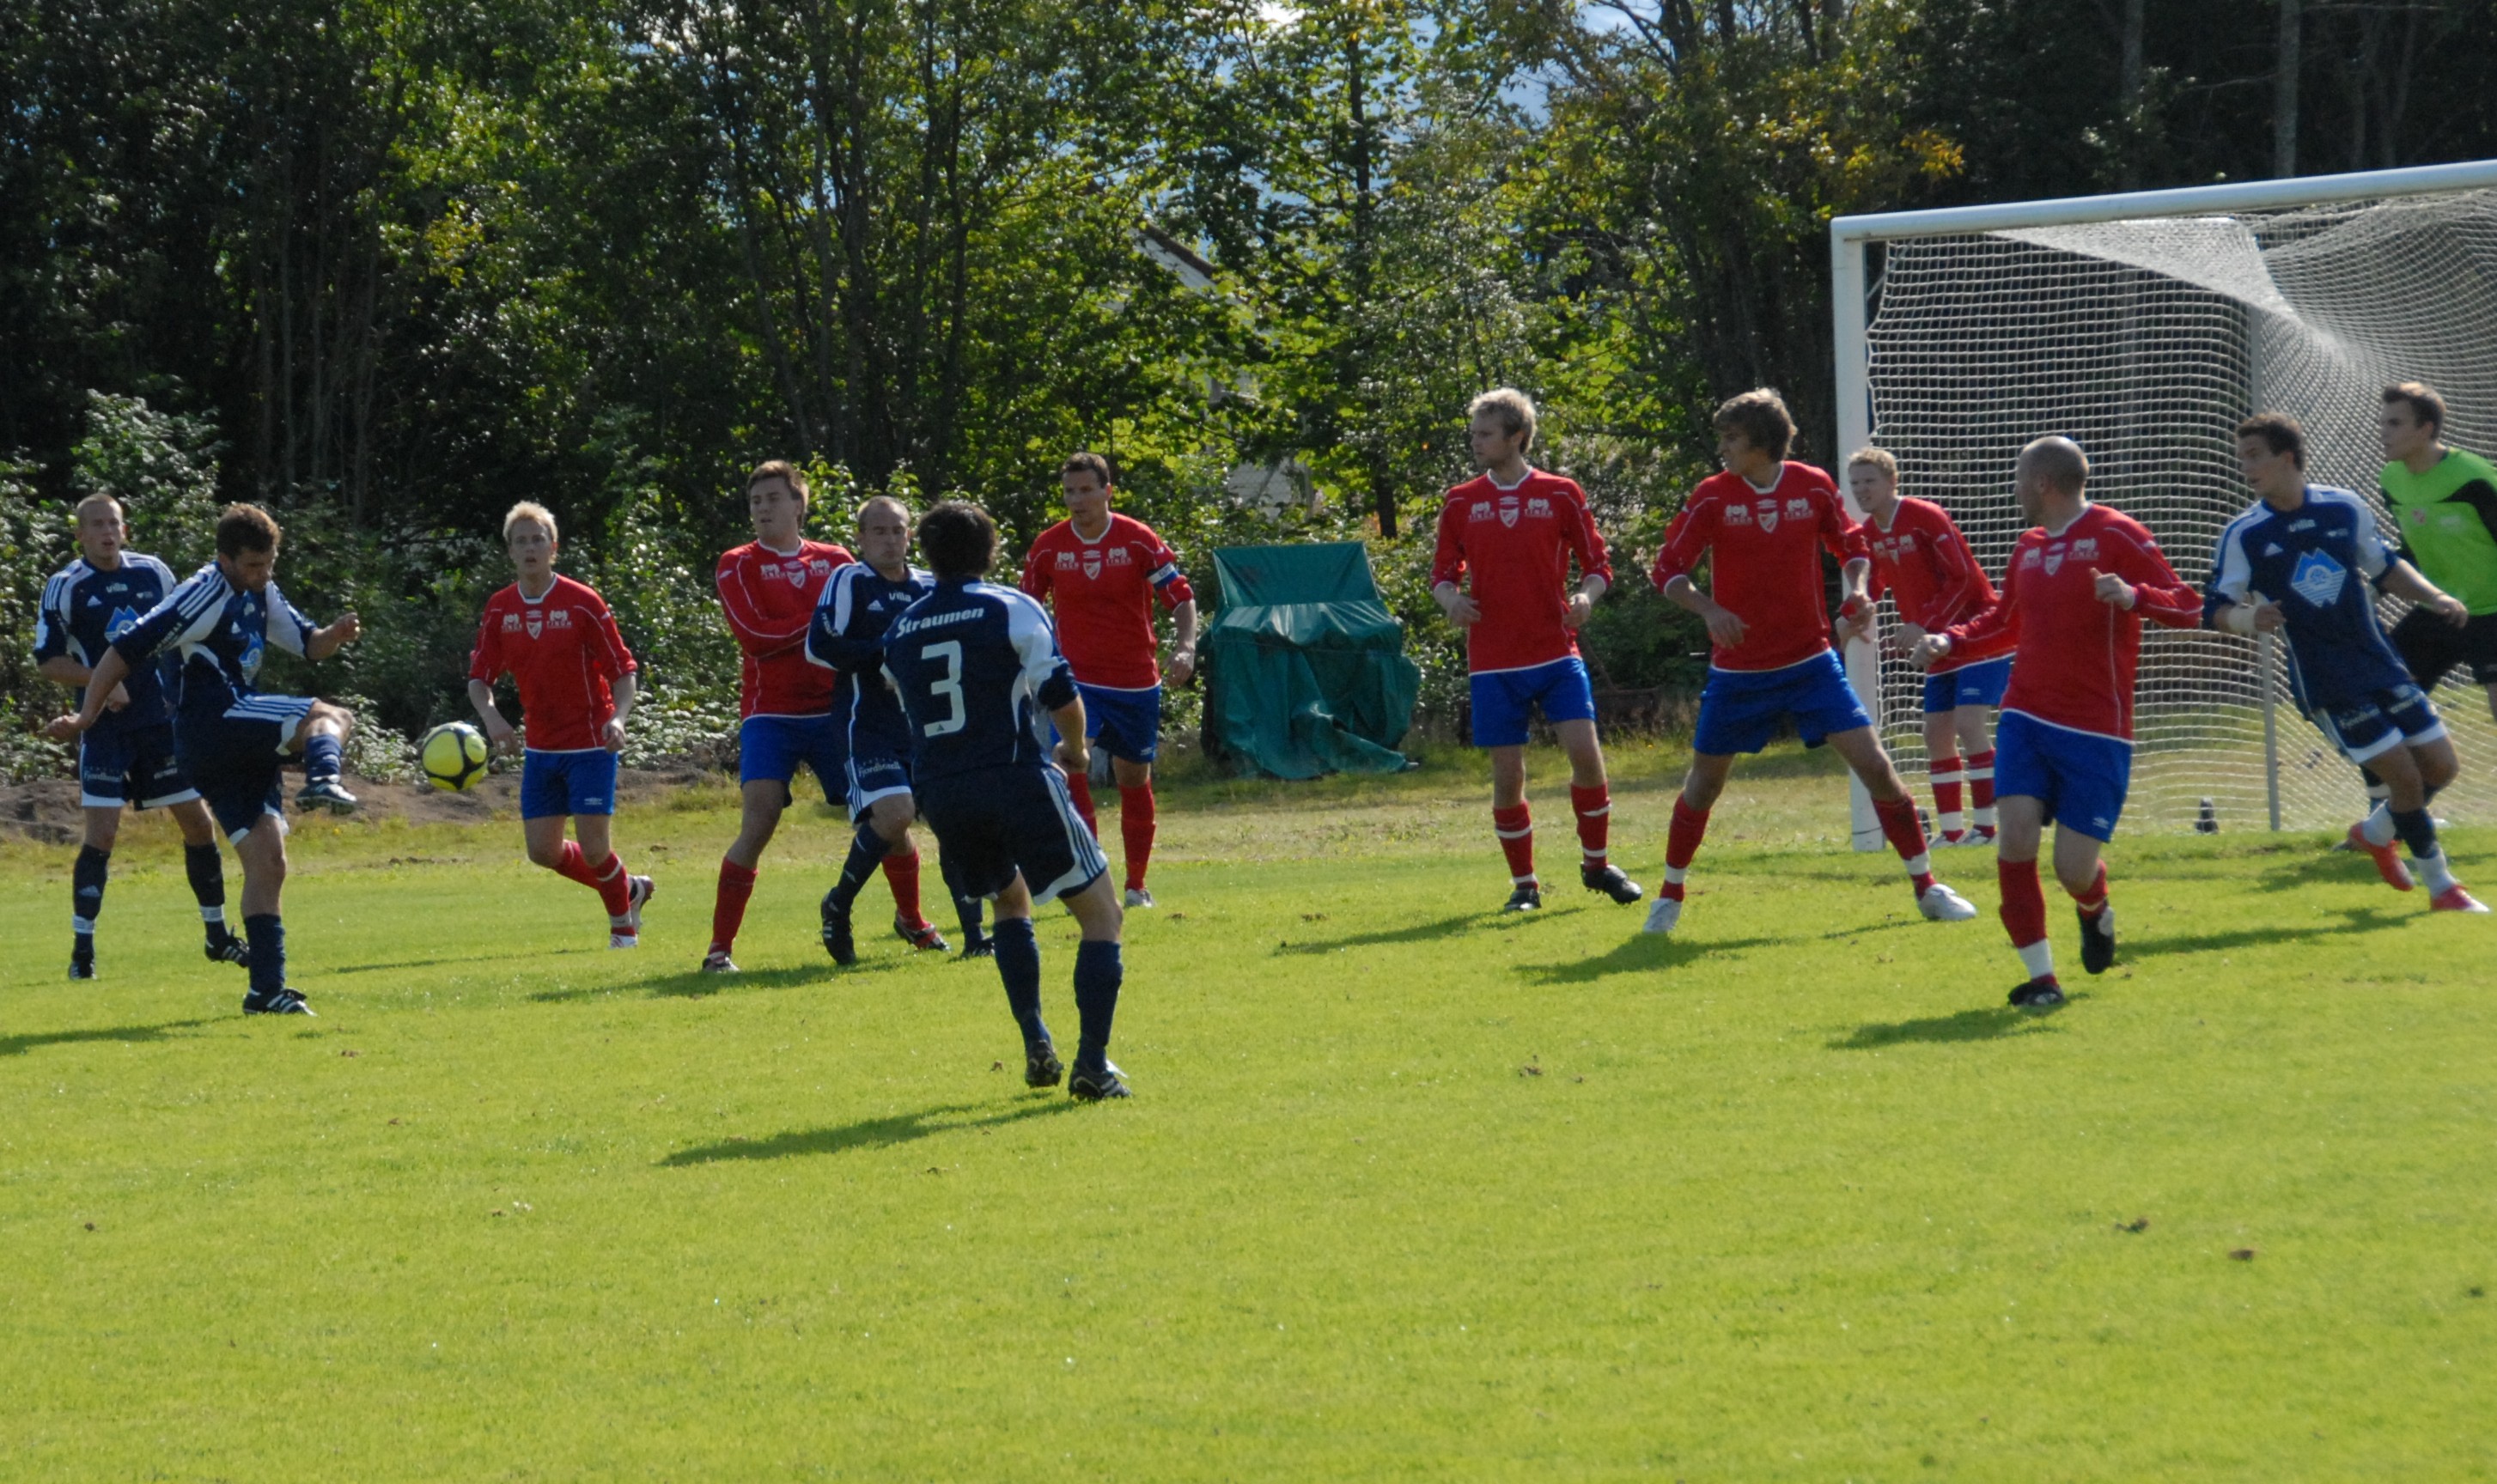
pixel 35 542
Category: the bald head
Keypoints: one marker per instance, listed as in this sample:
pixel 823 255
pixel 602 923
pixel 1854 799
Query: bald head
pixel 2058 462
pixel 884 535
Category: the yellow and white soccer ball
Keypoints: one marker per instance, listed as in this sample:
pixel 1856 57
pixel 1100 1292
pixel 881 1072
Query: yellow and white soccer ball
pixel 453 755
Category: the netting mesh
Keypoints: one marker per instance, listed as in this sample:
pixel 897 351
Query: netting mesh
pixel 2147 341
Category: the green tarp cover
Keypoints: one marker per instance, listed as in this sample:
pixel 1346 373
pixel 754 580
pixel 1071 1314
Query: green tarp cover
pixel 1304 667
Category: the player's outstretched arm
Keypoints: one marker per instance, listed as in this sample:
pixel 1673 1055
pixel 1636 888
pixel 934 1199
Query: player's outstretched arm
pixel 102 683
pixel 2404 581
pixel 321 643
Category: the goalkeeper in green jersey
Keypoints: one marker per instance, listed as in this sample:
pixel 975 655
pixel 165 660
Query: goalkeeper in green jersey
pixel 2445 502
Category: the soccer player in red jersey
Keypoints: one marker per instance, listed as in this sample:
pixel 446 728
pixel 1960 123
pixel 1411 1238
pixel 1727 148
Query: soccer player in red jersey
pixel 768 590
pixel 1500 572
pixel 1923 562
pixel 556 639
pixel 2076 592
pixel 1099 573
pixel 1764 523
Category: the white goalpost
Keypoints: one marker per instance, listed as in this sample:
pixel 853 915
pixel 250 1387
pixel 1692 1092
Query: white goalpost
pixel 2146 326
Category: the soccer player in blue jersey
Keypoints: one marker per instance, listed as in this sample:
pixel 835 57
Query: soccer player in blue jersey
pixel 976 665
pixel 2298 563
pixel 233 737
pixel 128 756
pixel 847 635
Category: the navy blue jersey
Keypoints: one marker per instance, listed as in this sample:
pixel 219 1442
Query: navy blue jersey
pixel 85 610
pixel 2315 562
pixel 218 631
pixel 847 634
pixel 976 665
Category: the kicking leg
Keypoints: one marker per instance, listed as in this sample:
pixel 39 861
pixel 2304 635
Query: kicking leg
pixel 322 737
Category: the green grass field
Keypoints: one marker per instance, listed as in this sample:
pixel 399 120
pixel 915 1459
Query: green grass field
pixel 1409 1189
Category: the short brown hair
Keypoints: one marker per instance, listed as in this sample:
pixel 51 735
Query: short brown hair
pixel 1086 461
pixel 1878 458
pixel 245 528
pixel 1515 408
pixel 2425 405
pixel 957 539
pixel 779 468
pixel 77 512
pixel 2279 433
pixel 1760 416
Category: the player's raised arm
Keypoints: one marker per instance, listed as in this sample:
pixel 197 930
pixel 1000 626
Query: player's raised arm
pixel 827 639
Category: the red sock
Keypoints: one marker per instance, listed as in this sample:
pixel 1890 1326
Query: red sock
pixel 1981 786
pixel 1682 845
pixel 615 887
pixel 728 911
pixel 1899 827
pixel 2024 905
pixel 1594 807
pixel 1515 827
pixel 2094 900
pixel 1136 830
pixel 1947 776
pixel 902 874
pixel 1079 787
pixel 575 867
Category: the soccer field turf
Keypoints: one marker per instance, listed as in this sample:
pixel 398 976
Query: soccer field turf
pixel 1408 1189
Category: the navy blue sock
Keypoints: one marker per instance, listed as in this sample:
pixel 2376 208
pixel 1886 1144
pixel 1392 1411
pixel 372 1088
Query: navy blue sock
pixel 1098 972
pixel 1018 955
pixel 967 908
pixel 208 874
pixel 866 849
pixel 267 933
pixel 86 888
pixel 2416 830
pixel 321 757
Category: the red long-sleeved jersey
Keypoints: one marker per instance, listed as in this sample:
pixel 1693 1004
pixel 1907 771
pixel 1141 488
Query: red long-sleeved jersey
pixel 564 651
pixel 1766 566
pixel 2076 657
pixel 1924 563
pixel 1102 595
pixel 1515 545
pixel 770 598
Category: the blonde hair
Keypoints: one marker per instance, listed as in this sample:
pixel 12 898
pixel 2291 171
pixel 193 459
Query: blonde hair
pixel 77 512
pixel 1515 408
pixel 1878 458
pixel 529 509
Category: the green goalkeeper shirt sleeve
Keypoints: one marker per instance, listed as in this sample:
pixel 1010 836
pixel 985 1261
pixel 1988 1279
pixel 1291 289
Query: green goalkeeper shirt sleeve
pixel 2447 519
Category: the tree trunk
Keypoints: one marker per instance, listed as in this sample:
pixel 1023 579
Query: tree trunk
pixel 2284 91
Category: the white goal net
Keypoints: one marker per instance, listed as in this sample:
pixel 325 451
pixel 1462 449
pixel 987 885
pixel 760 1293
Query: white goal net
pixel 2147 339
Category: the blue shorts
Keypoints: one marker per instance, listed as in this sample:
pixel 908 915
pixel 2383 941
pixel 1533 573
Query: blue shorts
pixel 235 757
pixel 999 821
pixel 1977 685
pixel 1739 710
pixel 135 766
pixel 1501 698
pixel 2080 776
pixel 2369 728
pixel 770 748
pixel 876 774
pixel 1127 723
pixel 559 783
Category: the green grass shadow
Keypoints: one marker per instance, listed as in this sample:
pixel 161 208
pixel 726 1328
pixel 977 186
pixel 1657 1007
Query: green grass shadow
pixel 20 1044
pixel 1640 953
pixel 1993 1023
pixel 866 1133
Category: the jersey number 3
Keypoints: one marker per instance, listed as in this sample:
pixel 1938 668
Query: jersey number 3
pixel 947 689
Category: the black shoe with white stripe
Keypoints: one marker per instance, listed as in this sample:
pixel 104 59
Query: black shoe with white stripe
pixel 1525 898
pixel 326 794
pixel 1041 1068
pixel 2098 941
pixel 223 947
pixel 275 1002
pixel 837 938
pixel 83 956
pixel 1609 879
pixel 1098 1083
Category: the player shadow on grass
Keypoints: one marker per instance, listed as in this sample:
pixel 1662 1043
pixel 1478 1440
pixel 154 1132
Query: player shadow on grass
pixel 1638 955
pixel 1992 1023
pixel 867 1133
pixel 2354 920
pixel 1417 932
pixel 466 957
pixel 130 1035
pixel 693 984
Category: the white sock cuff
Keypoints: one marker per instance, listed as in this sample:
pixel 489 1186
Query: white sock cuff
pixel 2038 957
pixel 1677 874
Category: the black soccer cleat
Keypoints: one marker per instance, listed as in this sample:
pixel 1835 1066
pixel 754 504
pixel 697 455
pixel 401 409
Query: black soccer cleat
pixel 2098 941
pixel 1525 898
pixel 275 1002
pixel 925 937
pixel 326 794
pixel 2040 995
pixel 1041 1068
pixel 83 958
pixel 1099 1084
pixel 1609 879
pixel 978 945
pixel 223 947
pixel 836 930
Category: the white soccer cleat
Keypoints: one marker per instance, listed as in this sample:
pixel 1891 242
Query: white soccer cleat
pixel 626 939
pixel 1941 904
pixel 638 889
pixel 1137 896
pixel 1663 915
pixel 1951 840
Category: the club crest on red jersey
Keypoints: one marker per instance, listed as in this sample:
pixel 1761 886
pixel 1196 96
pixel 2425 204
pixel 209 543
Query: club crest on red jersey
pixel 1092 565
pixel 537 624
pixel 1508 512
pixel 1768 515
pixel 2055 558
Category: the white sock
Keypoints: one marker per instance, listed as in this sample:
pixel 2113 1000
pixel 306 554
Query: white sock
pixel 2038 957
pixel 2433 871
pixel 2377 825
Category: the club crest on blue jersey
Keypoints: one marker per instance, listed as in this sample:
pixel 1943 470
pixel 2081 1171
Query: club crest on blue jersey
pixel 119 623
pixel 2319 579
